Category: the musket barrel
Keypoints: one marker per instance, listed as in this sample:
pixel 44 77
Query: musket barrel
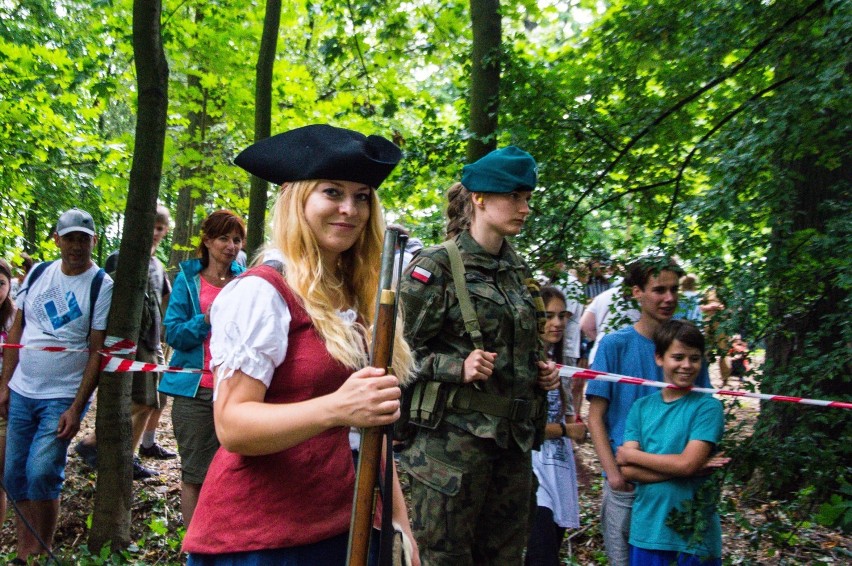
pixel 366 477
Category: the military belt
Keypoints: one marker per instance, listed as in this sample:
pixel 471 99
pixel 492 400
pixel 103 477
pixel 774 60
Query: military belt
pixel 516 410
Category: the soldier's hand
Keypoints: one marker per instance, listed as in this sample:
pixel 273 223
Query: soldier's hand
pixel 478 366
pixel 548 375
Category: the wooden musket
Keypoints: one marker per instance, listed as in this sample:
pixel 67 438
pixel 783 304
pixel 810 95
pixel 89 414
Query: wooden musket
pixel 369 460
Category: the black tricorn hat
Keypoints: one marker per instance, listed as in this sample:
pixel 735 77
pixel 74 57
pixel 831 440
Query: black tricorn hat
pixel 320 151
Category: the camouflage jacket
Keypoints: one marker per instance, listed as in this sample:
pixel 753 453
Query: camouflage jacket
pixel 435 329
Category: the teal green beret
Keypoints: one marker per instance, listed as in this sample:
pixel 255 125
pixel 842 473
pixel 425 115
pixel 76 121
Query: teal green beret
pixel 501 171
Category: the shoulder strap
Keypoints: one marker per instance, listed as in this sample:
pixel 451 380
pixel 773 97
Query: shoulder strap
pixel 37 271
pixel 34 275
pixel 471 321
pixel 94 292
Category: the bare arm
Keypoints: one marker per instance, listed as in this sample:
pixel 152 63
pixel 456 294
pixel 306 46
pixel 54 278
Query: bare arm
pixel 10 362
pixel 600 439
pixel 648 468
pixel 638 473
pixel 69 421
pixel 588 326
pixel 685 464
pixel 400 516
pixel 248 426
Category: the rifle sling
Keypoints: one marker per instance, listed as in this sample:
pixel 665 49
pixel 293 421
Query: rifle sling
pixel 471 321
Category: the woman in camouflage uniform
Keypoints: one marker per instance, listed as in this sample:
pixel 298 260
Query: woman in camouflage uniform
pixel 477 407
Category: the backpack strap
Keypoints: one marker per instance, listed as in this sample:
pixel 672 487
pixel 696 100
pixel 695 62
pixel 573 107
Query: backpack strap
pixel 34 275
pixel 94 293
pixel 36 272
pixel 471 321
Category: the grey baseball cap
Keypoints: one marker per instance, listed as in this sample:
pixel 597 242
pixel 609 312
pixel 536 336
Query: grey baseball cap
pixel 75 220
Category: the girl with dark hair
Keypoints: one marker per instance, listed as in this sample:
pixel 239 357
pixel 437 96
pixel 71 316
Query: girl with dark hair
pixel 187 323
pixel 7 316
pixel 554 465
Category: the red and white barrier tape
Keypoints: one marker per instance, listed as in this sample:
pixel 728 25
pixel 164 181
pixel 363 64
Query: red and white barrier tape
pixel 580 373
pixel 114 364
pixel 113 345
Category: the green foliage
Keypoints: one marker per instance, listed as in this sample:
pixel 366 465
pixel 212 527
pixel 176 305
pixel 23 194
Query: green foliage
pixel 717 131
pixel 837 511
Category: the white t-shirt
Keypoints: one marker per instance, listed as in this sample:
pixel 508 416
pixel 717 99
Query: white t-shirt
pixel 573 290
pixel 608 320
pixel 56 313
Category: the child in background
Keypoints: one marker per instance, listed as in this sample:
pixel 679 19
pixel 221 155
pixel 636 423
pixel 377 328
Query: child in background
pixel 557 508
pixel 738 359
pixel 669 441
pixel 7 316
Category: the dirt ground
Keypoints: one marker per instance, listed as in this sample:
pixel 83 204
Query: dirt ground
pixel 157 524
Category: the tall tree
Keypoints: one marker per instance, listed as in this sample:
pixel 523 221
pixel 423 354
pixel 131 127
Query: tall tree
pixel 263 121
pixel 486 53
pixel 111 517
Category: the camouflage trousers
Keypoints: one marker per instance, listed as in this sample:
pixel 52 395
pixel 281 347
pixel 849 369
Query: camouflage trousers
pixel 470 498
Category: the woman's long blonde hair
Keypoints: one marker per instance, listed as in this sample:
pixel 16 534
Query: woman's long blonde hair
pixel 358 271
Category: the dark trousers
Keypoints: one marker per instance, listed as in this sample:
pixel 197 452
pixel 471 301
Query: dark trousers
pixel 545 540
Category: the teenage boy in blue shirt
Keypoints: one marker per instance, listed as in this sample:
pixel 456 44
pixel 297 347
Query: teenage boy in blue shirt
pixel 653 282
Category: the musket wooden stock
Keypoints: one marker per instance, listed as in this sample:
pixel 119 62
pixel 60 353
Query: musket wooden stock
pixel 369 459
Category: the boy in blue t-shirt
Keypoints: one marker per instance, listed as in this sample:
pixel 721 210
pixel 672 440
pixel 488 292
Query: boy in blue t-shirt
pixel 669 439
pixel 630 351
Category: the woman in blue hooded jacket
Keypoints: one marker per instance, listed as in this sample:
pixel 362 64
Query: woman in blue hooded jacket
pixel 187 323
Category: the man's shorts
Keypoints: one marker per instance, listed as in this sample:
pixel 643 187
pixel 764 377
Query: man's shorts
pixel 145 383
pixel 35 457
pixel 192 421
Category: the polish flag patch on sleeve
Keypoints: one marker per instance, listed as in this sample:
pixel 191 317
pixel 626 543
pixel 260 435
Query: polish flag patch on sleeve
pixel 422 275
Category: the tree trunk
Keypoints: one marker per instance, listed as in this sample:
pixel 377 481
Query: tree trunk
pixel 484 77
pixel 189 194
pixel 113 495
pixel 262 122
pixel 807 298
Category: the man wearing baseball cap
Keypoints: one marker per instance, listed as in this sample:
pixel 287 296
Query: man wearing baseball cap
pixel 45 394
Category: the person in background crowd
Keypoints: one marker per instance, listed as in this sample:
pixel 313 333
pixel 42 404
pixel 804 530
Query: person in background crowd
pixel 7 317
pixel 23 268
pixel 483 389
pixel 599 277
pixel 610 311
pixel 46 394
pixel 289 355
pixel 557 506
pixel 147 404
pixel 187 323
pixel 689 301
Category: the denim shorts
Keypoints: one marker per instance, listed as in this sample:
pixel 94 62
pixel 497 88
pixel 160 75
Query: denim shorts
pixel 35 457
